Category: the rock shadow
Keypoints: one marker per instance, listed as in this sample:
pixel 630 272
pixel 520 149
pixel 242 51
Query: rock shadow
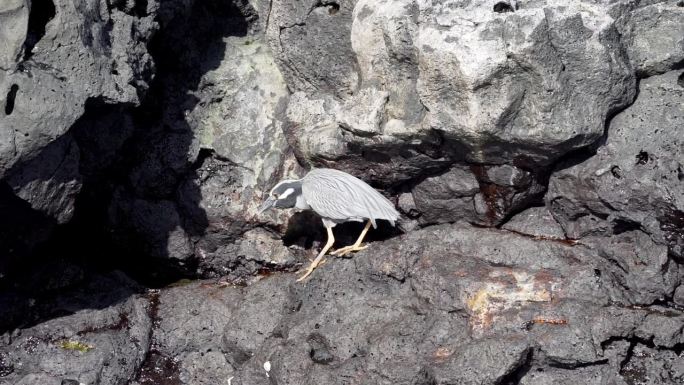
pixel 305 229
pixel 155 209
pixel 139 183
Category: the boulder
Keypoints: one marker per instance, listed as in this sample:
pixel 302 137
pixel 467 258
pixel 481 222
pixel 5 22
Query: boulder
pixel 633 183
pixel 212 147
pixel 535 221
pixel 61 63
pixel 654 37
pixel 436 83
pixel 451 303
pixel 92 334
pixel 66 59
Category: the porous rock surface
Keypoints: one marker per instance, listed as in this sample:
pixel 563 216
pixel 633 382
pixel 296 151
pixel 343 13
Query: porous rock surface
pixel 59 62
pixel 533 148
pixel 634 182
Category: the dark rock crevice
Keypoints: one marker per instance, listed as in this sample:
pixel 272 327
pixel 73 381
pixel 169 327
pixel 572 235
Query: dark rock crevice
pixel 42 11
pixel 517 374
pixel 9 101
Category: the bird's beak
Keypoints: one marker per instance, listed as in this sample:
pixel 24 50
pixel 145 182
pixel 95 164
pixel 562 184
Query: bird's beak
pixel 268 203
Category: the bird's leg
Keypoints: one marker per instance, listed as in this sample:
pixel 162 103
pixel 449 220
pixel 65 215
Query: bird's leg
pixel 356 246
pixel 319 258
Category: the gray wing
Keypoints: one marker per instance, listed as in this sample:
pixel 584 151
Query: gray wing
pixel 339 196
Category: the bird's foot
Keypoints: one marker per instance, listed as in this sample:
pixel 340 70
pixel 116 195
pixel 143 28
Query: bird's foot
pixel 311 268
pixel 348 249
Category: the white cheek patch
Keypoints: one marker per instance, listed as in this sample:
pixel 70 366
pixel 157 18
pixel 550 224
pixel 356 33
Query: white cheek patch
pixel 286 193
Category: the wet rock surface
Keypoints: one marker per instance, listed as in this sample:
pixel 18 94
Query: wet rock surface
pixel 533 148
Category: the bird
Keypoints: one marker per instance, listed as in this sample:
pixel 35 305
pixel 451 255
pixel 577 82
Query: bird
pixel 337 197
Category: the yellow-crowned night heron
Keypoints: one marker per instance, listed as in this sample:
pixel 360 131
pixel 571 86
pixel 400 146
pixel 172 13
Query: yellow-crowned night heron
pixel 337 197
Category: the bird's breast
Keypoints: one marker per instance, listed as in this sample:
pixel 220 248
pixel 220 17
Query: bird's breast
pixel 301 203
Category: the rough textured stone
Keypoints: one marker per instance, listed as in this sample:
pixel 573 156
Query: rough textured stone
pixel 497 87
pixel 654 37
pixel 310 63
pixel 653 366
pixel 67 58
pixel 480 194
pixel 634 180
pixel 462 112
pixel 104 346
pixel 14 15
pixel 445 304
pixel 61 60
pixel 445 197
pixel 536 221
pixel 51 181
pixel 257 251
pixel 215 147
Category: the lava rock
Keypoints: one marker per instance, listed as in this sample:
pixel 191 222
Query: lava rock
pixel 442 304
pixel 536 221
pixel 404 53
pixel 57 60
pixel 447 197
pixel 258 252
pixel 633 183
pixel 105 345
pixel 60 68
pixel 653 37
pixel 212 147
pixel 310 63
pixel 14 15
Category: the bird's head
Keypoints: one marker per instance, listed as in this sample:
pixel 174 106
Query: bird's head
pixel 283 195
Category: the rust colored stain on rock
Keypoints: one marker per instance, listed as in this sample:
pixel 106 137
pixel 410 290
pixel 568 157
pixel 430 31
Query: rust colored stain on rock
pixel 494 196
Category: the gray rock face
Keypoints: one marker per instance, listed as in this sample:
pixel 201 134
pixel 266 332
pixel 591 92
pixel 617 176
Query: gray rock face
pixel 469 115
pixel 535 221
pixel 57 61
pixel 14 15
pixel 634 180
pixel 480 194
pixel 215 146
pixel 654 37
pixel 65 60
pixel 445 197
pixel 310 63
pixel 51 181
pixel 257 251
pixel 498 87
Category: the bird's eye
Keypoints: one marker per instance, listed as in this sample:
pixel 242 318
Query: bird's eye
pixel 275 196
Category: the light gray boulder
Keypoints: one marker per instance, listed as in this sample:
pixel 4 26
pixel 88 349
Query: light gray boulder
pixel 654 37
pixel 449 81
pixel 13 27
